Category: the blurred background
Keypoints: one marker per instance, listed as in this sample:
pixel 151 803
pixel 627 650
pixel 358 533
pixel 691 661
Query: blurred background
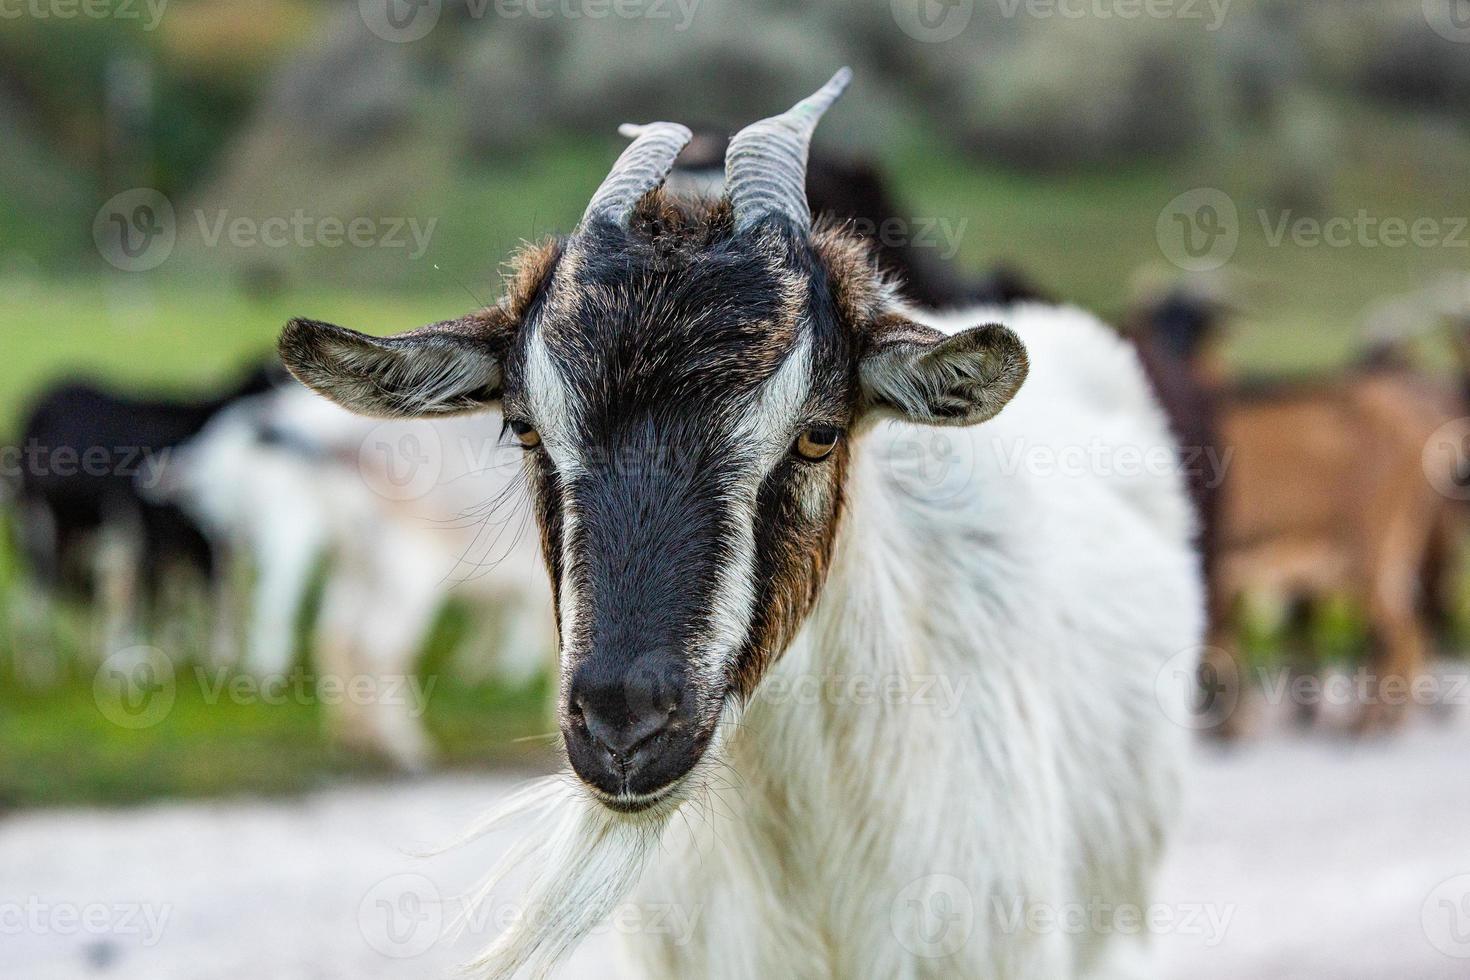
pixel 250 648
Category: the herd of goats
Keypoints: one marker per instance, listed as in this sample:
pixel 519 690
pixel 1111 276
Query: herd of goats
pixel 1345 487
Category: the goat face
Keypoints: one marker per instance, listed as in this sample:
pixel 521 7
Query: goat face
pixel 686 391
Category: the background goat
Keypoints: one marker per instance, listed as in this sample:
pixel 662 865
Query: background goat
pixel 297 482
pixel 89 456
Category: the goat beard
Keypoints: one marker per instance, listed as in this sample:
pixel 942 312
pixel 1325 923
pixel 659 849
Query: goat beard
pixel 583 859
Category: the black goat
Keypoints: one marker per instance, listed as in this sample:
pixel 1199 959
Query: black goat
pixel 85 462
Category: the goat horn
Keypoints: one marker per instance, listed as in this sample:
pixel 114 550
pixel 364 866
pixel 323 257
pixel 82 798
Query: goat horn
pixel 765 166
pixel 641 167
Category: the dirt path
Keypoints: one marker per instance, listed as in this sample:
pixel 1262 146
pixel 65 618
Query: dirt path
pixel 1301 857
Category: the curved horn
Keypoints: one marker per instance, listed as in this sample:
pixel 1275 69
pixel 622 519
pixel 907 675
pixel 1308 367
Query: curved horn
pixel 641 167
pixel 765 166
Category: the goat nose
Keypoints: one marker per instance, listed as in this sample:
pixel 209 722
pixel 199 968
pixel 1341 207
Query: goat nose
pixel 621 713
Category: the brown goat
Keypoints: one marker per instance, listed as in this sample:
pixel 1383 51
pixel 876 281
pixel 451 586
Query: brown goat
pixel 1327 490
pixel 1327 493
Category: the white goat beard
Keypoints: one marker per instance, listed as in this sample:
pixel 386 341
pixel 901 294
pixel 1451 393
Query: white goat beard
pixel 584 860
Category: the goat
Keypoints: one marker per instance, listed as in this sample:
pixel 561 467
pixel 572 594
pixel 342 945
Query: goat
pixel 1330 492
pixel 724 412
pixel 89 455
pixel 295 481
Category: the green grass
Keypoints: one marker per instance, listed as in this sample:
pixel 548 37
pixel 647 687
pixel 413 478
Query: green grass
pixel 59 744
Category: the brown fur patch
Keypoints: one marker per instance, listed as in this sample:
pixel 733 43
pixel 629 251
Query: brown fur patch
pixel 797 566
pixel 530 268
pixel 858 286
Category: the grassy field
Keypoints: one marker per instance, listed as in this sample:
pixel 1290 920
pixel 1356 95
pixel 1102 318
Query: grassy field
pixel 187 328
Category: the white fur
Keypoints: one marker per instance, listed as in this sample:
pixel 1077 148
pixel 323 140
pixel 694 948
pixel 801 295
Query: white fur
pixel 1049 601
pixel 392 562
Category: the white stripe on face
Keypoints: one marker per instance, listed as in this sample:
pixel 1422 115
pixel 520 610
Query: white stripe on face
pixel 555 409
pixel 765 433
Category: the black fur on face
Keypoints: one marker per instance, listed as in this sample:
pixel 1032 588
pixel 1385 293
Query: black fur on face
pixel 685 536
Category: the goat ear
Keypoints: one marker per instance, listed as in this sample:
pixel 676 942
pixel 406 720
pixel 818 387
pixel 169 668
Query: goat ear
pixel 916 373
pixel 445 368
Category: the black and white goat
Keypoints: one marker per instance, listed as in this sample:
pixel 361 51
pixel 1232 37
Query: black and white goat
pixel 89 523
pixel 724 413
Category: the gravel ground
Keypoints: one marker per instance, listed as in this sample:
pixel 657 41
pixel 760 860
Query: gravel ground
pixel 1302 856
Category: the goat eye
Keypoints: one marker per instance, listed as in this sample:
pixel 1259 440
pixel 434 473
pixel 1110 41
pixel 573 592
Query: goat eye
pixel 528 436
pixel 817 442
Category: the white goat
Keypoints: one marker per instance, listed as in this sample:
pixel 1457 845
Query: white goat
pixel 291 479
pixel 773 536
